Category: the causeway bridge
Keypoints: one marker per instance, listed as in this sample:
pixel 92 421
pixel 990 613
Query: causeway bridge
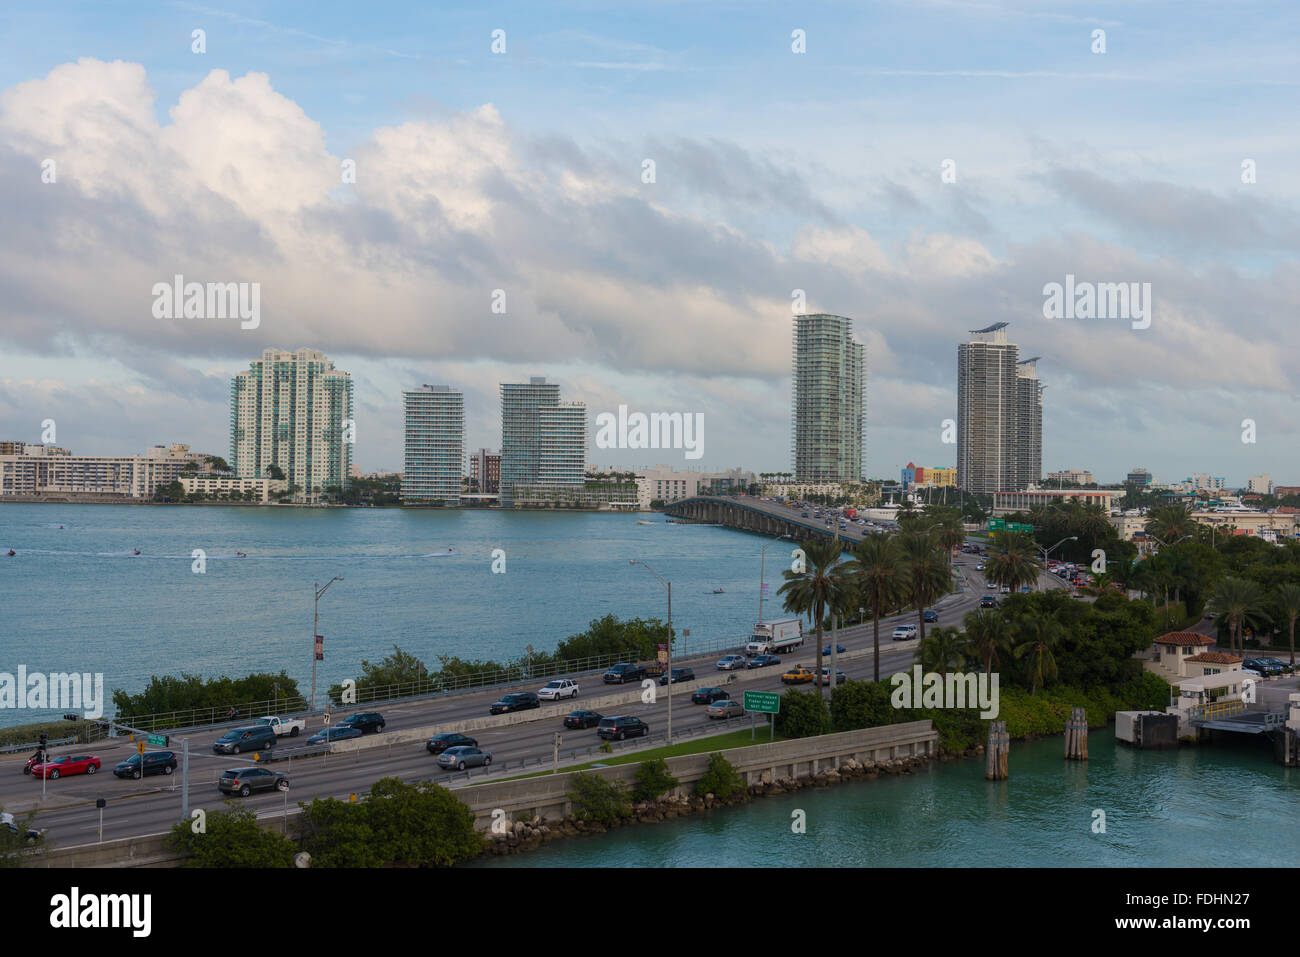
pixel 751 514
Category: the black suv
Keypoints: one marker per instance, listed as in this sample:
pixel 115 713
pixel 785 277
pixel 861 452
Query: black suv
pixel 449 739
pixel 364 721
pixel 622 727
pixel 518 701
pixel 622 673
pixel 152 762
pixel 679 674
pixel 244 781
pixel 259 737
pixel 709 695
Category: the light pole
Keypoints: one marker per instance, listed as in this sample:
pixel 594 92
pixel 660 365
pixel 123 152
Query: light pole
pixel 669 586
pixel 1048 551
pixel 762 574
pixel 315 630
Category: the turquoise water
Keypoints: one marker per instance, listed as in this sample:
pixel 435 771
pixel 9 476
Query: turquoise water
pixel 76 598
pixel 1211 806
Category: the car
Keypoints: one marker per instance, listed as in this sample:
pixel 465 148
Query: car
pixel 1252 672
pixel 904 632
pixel 708 695
pixel 622 726
pixel 979 567
pixel 340 732
pixel 840 677
pixel 623 672
pixel 151 762
pixel 449 739
pixel 516 701
pixel 679 674
pixel 839 649
pixel 66 764
pixel 259 737
pixel 930 615
pixel 804 515
pixel 9 824
pixel 1005 589
pixel 462 757
pixel 726 708
pixel 365 721
pixel 1278 662
pixel 731 662
pixel 988 601
pixel 244 781
pixel 582 719
pixel 1263 666
pixel 763 661
pixel 797 675
pixel 559 688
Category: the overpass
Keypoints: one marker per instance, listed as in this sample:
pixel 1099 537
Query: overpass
pixel 751 514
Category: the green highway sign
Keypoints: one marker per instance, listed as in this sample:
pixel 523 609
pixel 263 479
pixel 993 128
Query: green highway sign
pixel 766 702
pixel 1019 527
pixel 158 740
pixel 996 524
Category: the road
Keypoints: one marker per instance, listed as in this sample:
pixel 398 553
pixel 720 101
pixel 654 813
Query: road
pixel 153 804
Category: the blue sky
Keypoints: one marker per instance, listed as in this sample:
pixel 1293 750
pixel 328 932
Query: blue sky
pixel 774 171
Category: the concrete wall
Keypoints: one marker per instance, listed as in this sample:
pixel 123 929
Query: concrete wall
pixel 544 796
pixel 146 851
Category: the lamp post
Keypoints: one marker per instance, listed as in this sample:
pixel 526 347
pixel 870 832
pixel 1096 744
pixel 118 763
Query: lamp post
pixel 315 630
pixel 762 574
pixel 1048 551
pixel 669 586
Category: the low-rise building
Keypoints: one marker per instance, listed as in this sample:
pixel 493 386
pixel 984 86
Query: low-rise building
pixel 225 484
pixel 1004 503
pixel 45 470
pixel 1073 476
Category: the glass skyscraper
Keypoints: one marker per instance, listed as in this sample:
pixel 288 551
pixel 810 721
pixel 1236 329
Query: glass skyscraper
pixel 543 441
pixel 434 445
pixel 999 415
pixel 829 400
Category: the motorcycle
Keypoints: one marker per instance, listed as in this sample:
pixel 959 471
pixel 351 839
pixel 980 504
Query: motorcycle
pixel 37 758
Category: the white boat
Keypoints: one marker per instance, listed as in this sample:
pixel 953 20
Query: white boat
pixel 641 521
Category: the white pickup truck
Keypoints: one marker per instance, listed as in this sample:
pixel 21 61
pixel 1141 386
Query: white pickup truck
pixel 284 726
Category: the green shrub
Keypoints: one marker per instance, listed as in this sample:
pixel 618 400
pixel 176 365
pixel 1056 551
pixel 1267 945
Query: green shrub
pixel 420 824
pixel 597 800
pixel 653 779
pixel 337 834
pixel 231 839
pixel 721 779
pixel 802 715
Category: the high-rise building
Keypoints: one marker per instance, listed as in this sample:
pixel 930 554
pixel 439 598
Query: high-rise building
pixel 485 470
pixel 293 410
pixel 1029 424
pixel 543 441
pixel 434 446
pixel 987 402
pixel 1138 476
pixel 827 419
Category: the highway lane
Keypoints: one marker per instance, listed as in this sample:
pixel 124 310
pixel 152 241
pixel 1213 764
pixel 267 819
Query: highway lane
pixel 151 805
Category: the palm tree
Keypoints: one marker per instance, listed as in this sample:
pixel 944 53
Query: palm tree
pixel 1016 564
pixel 950 532
pixel 1287 599
pixel 943 651
pixel 1094 524
pixel 1237 601
pixel 881 577
pixel 1036 639
pixel 1143 578
pixel 1170 522
pixel 816 590
pixel 928 577
pixel 987 634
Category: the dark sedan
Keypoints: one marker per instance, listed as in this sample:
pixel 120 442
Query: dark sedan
pixel 763 661
pixel 839 650
pixel 151 762
pixel 930 615
pixel 448 739
pixel 679 674
pixel 340 733
pixel 519 701
pixel 582 719
pixel 708 695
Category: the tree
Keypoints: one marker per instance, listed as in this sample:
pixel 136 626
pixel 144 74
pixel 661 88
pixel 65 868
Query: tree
pixel 928 576
pixel 987 634
pixel 231 838
pixel 399 668
pixel 816 590
pixel 1015 564
pixel 721 779
pixel 653 780
pixel 1287 599
pixel 803 714
pixel 943 650
pixel 1169 523
pixel 597 800
pixel 880 575
pixel 1036 640
pixel 420 824
pixel 1238 602
pixel 217 463
pixel 275 472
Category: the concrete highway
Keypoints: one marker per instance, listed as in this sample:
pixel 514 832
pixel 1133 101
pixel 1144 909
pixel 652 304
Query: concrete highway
pixel 154 803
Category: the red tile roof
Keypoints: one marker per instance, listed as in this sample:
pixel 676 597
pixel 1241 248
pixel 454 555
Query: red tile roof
pixel 1184 638
pixel 1216 658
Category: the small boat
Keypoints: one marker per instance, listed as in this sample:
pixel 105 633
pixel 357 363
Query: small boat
pixel 640 521
pixel 240 555
pixel 11 553
pixel 136 552
pixel 718 591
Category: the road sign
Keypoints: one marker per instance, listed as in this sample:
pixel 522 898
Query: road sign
pixel 140 745
pixel 283 785
pixel 1020 527
pixel 157 740
pixel 766 702
pixel 997 524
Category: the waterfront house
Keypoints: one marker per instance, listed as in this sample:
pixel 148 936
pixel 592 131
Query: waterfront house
pixel 1196 674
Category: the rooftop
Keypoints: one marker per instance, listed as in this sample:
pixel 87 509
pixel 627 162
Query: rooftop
pixel 1184 638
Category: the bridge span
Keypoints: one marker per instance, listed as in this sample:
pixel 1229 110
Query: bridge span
pixel 751 514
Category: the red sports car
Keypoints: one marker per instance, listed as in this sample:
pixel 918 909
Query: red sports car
pixel 66 764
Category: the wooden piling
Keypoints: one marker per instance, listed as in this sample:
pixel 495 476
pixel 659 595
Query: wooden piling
pixel 1076 735
pixel 999 747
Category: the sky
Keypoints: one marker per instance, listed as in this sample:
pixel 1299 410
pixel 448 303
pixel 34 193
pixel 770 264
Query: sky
pixel 926 167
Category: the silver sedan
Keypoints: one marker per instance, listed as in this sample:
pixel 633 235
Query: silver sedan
pixel 463 757
pixel 725 709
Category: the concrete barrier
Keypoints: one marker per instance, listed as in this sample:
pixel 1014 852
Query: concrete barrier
pixel 145 851
pixel 545 796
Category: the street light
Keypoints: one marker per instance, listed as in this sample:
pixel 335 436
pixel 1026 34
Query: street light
pixel 315 630
pixel 1048 551
pixel 762 573
pixel 669 586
